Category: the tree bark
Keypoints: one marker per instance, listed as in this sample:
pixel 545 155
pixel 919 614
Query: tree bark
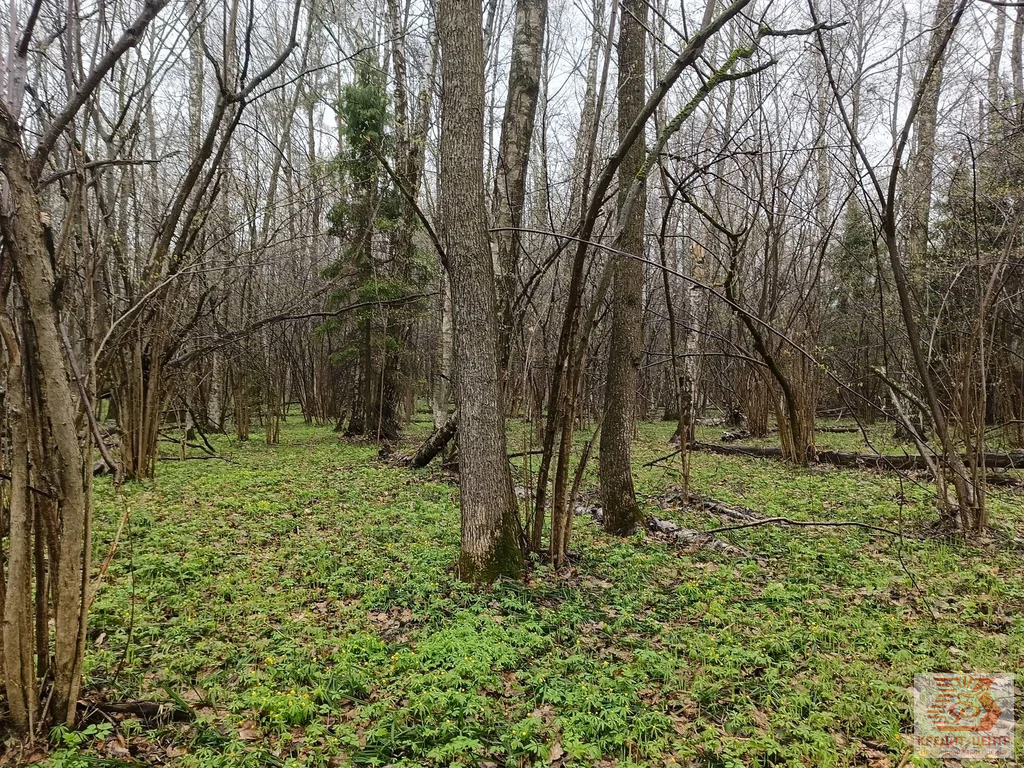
pixel 919 179
pixel 441 362
pixel 490 526
pixel 621 512
pixel 19 678
pixel 1017 63
pixel 517 126
pixel 24 240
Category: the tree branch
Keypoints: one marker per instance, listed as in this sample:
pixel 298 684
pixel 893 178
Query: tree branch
pixel 129 39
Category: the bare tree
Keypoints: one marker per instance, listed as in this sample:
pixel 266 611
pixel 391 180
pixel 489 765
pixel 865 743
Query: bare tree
pixel 49 423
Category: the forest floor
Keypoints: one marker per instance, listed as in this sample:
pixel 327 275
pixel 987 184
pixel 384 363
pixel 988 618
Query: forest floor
pixel 299 603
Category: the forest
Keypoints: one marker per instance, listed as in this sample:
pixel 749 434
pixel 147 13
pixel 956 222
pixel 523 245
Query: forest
pixel 511 383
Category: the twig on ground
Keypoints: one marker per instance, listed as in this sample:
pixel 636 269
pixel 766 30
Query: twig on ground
pixel 663 458
pixel 195 458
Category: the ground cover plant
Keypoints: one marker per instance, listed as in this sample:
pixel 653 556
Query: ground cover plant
pixel 299 602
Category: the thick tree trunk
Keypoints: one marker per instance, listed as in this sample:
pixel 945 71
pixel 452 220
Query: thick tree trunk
pixel 363 416
pixel 490 526
pixel 386 428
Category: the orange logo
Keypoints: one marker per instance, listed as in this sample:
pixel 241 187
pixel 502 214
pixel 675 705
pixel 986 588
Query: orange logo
pixel 963 714
pixel 964 703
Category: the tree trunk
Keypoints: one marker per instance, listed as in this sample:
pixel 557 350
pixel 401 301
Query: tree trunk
pixel 517 126
pixel 25 243
pixel 919 179
pixel 18 642
pixel 490 525
pixel 1017 63
pixel 621 512
pixel 441 363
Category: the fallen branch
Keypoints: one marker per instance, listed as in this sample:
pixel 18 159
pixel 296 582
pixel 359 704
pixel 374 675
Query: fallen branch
pixel 693 539
pixel 806 523
pixel 652 462
pixel 153 712
pixel 749 519
pixel 195 458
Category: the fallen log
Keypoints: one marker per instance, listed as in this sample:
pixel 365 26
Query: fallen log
pixel 1013 460
pixel 742 434
pixel 676 498
pixel 434 444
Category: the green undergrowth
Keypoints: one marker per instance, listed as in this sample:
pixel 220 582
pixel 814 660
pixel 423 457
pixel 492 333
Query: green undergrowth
pixel 301 602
